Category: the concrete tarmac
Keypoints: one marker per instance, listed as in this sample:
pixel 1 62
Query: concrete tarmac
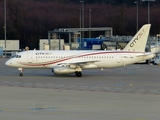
pixel 127 93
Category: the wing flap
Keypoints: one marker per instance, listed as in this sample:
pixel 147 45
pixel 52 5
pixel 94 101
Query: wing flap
pixel 81 64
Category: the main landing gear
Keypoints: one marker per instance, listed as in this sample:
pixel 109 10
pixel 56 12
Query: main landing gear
pixel 78 74
pixel 21 72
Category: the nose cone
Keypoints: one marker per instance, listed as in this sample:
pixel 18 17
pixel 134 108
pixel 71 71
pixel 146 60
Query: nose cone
pixel 8 63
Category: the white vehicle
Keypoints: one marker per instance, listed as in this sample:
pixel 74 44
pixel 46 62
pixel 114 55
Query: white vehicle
pixel 68 62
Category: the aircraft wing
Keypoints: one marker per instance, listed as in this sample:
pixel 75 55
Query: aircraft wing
pixel 81 64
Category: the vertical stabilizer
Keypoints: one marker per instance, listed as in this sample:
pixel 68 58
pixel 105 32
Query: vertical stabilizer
pixel 138 42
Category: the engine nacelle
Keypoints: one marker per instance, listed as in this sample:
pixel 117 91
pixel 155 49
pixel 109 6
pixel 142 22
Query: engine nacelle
pixel 63 70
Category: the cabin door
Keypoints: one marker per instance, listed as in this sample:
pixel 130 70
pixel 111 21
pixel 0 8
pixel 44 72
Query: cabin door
pixel 30 57
pixel 118 58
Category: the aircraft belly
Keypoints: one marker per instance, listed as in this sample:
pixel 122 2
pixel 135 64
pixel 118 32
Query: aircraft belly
pixel 132 60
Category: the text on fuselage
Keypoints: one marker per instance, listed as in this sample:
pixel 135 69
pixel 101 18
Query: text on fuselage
pixel 43 53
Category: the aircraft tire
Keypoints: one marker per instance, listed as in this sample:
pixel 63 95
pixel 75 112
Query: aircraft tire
pixel 21 74
pixel 78 74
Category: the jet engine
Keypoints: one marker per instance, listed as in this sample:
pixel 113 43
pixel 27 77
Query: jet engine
pixel 63 70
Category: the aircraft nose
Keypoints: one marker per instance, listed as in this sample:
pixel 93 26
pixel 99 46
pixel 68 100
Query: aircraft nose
pixel 8 63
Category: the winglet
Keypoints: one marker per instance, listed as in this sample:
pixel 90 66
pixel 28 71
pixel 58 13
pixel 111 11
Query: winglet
pixel 138 42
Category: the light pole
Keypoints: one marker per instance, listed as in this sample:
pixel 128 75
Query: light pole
pixel 148 13
pixel 148 8
pixel 90 22
pixel 136 2
pixel 149 41
pixel 5 26
pixel 82 2
pixel 80 25
pixel 80 18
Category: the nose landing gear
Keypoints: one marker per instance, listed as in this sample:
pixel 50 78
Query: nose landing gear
pixel 21 72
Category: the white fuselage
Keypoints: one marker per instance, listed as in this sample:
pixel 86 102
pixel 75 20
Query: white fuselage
pixel 68 62
pixel 101 59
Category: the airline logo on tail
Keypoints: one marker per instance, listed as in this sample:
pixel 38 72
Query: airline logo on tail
pixel 137 38
pixel 138 42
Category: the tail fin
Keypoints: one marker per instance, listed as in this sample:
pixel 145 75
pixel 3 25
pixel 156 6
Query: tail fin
pixel 138 42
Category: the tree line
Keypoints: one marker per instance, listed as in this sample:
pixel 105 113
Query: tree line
pixel 30 20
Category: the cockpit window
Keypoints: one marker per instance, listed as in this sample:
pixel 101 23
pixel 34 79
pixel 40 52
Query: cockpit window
pixel 16 56
pixel 13 56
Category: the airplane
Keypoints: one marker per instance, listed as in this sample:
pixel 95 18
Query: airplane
pixel 74 61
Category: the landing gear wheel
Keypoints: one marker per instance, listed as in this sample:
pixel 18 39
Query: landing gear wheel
pixel 78 74
pixel 21 74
